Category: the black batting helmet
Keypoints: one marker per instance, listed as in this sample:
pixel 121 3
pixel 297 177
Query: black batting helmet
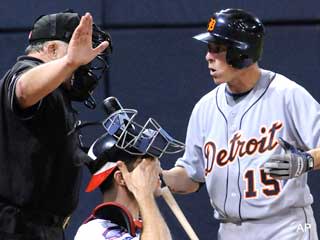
pixel 241 32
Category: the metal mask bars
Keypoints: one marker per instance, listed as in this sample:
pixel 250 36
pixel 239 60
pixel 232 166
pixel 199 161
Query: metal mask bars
pixel 137 139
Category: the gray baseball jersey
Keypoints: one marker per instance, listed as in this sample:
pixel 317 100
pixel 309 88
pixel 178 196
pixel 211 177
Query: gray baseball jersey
pixel 226 146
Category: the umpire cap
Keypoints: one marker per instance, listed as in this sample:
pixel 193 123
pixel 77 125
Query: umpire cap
pixel 240 31
pixel 57 26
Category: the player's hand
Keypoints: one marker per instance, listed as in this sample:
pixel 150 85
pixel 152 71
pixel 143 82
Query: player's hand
pixel 144 180
pixel 80 51
pixel 291 164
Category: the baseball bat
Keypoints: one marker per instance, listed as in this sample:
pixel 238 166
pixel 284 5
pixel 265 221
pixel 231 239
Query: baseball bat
pixel 172 203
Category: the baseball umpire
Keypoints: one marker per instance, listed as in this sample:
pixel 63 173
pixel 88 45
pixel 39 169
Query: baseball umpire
pixel 40 155
pixel 233 131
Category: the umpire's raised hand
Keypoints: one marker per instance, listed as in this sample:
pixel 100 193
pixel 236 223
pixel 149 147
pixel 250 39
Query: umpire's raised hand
pixel 80 50
pixel 291 164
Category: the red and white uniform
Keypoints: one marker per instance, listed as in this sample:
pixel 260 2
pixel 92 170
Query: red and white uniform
pixel 110 221
pixel 100 229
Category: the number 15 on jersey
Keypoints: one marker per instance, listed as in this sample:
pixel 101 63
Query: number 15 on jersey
pixel 270 187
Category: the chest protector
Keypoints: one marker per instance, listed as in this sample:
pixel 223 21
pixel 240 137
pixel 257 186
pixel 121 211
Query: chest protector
pixel 118 214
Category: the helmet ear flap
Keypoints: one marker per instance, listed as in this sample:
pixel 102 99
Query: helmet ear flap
pixel 237 59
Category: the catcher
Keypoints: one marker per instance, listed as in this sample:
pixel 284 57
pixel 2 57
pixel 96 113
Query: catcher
pixel 126 168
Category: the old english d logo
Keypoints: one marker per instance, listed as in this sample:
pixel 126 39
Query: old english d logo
pixel 211 24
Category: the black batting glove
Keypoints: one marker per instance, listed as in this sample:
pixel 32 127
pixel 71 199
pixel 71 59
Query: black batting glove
pixel 291 164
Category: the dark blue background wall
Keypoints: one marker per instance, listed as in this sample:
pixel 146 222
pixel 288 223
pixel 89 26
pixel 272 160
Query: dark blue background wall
pixel 157 68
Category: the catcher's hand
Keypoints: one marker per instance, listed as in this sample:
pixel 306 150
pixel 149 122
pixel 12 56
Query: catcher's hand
pixel 291 164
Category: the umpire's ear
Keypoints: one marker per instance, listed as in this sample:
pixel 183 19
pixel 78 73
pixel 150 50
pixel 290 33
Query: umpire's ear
pixel 51 50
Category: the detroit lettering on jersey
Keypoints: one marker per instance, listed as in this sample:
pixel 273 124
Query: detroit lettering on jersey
pixel 239 147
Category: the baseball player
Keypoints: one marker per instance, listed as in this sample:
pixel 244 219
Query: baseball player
pixel 293 163
pixel 233 131
pixel 129 186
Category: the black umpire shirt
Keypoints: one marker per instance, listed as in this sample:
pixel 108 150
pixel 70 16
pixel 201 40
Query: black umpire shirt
pixel 40 164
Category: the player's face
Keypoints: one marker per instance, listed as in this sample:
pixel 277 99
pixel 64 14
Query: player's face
pixel 220 70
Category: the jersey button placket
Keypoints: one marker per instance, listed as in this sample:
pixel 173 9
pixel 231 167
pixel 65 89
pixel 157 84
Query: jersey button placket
pixel 232 121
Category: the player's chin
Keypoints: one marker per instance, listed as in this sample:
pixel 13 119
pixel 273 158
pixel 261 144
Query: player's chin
pixel 217 80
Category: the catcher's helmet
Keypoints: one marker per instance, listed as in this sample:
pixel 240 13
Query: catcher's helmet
pixel 240 31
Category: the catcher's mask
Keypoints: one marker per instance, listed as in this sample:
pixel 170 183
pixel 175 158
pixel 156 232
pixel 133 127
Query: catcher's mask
pixel 136 139
pixel 239 32
pixel 85 79
pixel 126 139
pixel 60 26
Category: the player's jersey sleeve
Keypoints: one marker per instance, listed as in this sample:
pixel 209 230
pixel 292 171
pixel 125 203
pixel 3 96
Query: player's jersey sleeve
pixel 304 113
pixel 100 229
pixel 192 160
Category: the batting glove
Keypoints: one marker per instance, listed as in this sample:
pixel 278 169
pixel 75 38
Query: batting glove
pixel 292 164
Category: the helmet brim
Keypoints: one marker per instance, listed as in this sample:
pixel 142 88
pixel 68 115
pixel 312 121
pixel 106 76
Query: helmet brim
pixel 100 176
pixel 208 37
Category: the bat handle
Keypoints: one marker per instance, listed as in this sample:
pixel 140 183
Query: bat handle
pixel 168 197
